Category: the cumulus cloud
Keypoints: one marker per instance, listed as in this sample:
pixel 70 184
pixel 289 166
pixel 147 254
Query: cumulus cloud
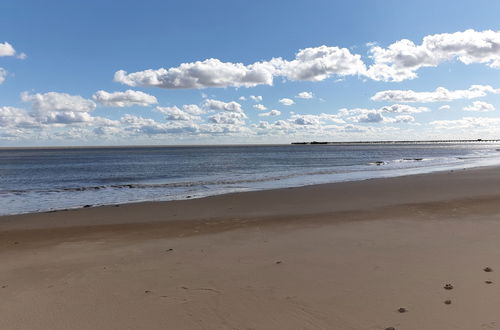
pixel 319 63
pixel 201 74
pixel 53 101
pixel 314 120
pixel 260 107
pixel 228 118
pixel 6 49
pixel 400 60
pixel 124 99
pixel 272 113
pixel 217 105
pixel 174 113
pixel 256 98
pixel 139 125
pixel 467 123
pixel 60 108
pixel 440 94
pixel 193 109
pixel 242 98
pixel 361 115
pixel 480 106
pixel 286 101
pixel 445 107
pixel 15 117
pixel 304 95
pixel 312 64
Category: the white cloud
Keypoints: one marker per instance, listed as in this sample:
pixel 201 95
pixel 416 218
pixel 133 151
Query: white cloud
pixel 6 49
pixel 304 95
pixel 400 60
pixel 193 109
pixel 228 118
pixel 260 107
pixel 286 101
pixel 480 106
pixel 445 107
pixel 256 98
pixel 361 115
pixel 467 123
pixel 272 113
pixel 176 114
pixel 242 98
pixel 54 101
pixel 3 75
pixel 440 94
pixel 313 64
pixel 319 63
pixel 15 117
pixel 124 99
pixel 60 108
pixel 220 105
pixel 139 126
pixel 201 74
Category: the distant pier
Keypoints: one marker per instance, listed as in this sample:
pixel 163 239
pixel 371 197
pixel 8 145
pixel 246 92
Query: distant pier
pixel 404 142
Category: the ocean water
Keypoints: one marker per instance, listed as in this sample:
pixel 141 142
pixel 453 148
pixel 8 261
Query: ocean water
pixel 35 180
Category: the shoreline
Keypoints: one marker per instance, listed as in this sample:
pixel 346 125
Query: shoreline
pixel 343 255
pixel 270 204
pixel 351 177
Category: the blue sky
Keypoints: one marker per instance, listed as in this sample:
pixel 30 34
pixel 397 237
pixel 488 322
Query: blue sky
pixel 62 82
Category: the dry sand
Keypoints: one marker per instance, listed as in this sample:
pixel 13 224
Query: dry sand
pixel 335 256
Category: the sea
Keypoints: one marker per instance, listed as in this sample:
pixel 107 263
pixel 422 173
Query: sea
pixel 40 180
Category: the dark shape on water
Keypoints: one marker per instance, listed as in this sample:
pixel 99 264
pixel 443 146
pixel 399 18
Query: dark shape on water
pixel 88 205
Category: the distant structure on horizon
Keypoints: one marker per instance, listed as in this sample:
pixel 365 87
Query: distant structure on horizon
pixel 400 142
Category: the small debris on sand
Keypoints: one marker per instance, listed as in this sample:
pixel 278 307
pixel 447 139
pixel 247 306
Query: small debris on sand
pixel 488 282
pixel 448 286
pixel 447 302
pixel 147 291
pixel 390 328
pixel 169 250
pixel 402 310
pixel 278 262
pixel 488 269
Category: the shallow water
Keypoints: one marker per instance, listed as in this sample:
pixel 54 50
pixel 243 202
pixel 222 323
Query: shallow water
pixel 46 179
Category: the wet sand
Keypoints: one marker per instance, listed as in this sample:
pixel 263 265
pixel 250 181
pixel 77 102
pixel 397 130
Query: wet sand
pixel 334 256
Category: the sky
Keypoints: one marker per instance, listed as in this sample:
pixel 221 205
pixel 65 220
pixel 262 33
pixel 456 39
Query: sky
pixel 247 72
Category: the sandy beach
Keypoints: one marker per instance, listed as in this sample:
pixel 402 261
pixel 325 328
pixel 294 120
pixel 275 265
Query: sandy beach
pixel 334 256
